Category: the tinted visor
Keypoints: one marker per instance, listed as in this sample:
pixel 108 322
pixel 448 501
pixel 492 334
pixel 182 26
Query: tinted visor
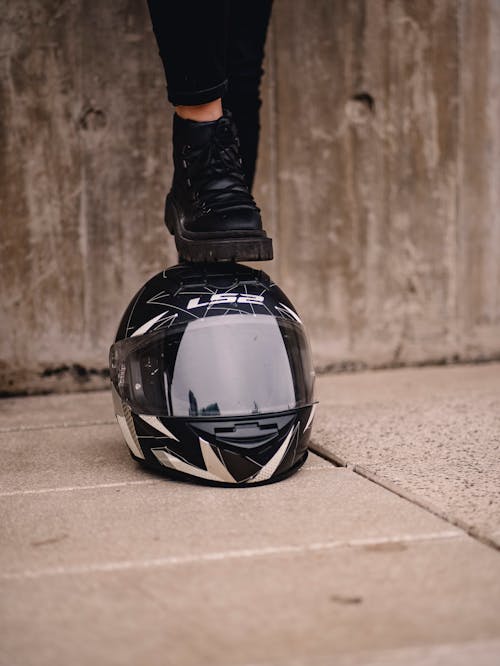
pixel 215 366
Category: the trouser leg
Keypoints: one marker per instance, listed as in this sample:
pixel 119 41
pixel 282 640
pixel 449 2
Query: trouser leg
pixel 192 41
pixel 248 21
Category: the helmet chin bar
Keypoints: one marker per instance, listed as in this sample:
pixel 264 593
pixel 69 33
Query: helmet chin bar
pixel 228 451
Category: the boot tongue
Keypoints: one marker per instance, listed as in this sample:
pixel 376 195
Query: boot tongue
pixel 194 133
pixel 198 134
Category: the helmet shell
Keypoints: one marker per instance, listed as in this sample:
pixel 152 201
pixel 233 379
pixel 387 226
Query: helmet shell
pixel 190 291
pixel 227 450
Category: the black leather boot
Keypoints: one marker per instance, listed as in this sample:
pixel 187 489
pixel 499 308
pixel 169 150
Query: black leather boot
pixel 209 209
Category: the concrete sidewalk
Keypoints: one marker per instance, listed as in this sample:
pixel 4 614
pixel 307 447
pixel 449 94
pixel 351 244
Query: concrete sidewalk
pixel 104 563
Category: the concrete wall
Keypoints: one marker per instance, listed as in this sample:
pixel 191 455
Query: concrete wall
pixel 379 179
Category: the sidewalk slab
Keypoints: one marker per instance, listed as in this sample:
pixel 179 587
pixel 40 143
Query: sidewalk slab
pixel 72 496
pixel 105 563
pixel 46 458
pixel 433 433
pixel 83 528
pixel 267 609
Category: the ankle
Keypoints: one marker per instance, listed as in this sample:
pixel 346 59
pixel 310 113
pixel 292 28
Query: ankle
pixel 201 112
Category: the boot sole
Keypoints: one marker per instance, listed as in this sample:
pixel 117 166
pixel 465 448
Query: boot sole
pixel 257 247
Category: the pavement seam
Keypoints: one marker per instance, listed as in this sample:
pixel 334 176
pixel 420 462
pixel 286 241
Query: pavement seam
pixel 412 653
pixel 329 456
pixel 179 560
pixel 120 484
pixel 65 489
pixel 470 530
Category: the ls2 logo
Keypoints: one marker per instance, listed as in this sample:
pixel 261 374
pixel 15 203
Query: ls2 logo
pixel 221 299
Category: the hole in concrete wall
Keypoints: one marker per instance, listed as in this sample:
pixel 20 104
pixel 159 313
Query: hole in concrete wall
pixel 92 119
pixel 366 99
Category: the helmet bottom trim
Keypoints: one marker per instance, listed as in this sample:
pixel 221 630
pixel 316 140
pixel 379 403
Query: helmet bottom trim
pixel 176 475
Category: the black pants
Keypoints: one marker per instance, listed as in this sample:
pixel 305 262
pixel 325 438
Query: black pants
pixel 212 49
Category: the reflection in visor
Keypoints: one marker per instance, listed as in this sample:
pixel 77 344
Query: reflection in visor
pixel 216 366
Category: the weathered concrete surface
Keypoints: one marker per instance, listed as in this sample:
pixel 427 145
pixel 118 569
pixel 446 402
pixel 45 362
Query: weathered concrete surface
pixel 85 162
pixel 367 178
pixel 378 179
pixel 431 433
pixel 102 563
pixel 91 526
pixel 478 229
pixel 261 609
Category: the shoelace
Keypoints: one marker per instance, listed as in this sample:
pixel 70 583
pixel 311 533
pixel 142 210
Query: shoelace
pixel 219 158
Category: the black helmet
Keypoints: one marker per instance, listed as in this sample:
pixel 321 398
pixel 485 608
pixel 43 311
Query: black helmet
pixel 212 376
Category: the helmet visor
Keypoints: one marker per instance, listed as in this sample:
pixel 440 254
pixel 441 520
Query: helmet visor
pixel 235 365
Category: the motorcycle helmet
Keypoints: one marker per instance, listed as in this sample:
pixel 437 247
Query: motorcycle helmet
pixel 212 376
